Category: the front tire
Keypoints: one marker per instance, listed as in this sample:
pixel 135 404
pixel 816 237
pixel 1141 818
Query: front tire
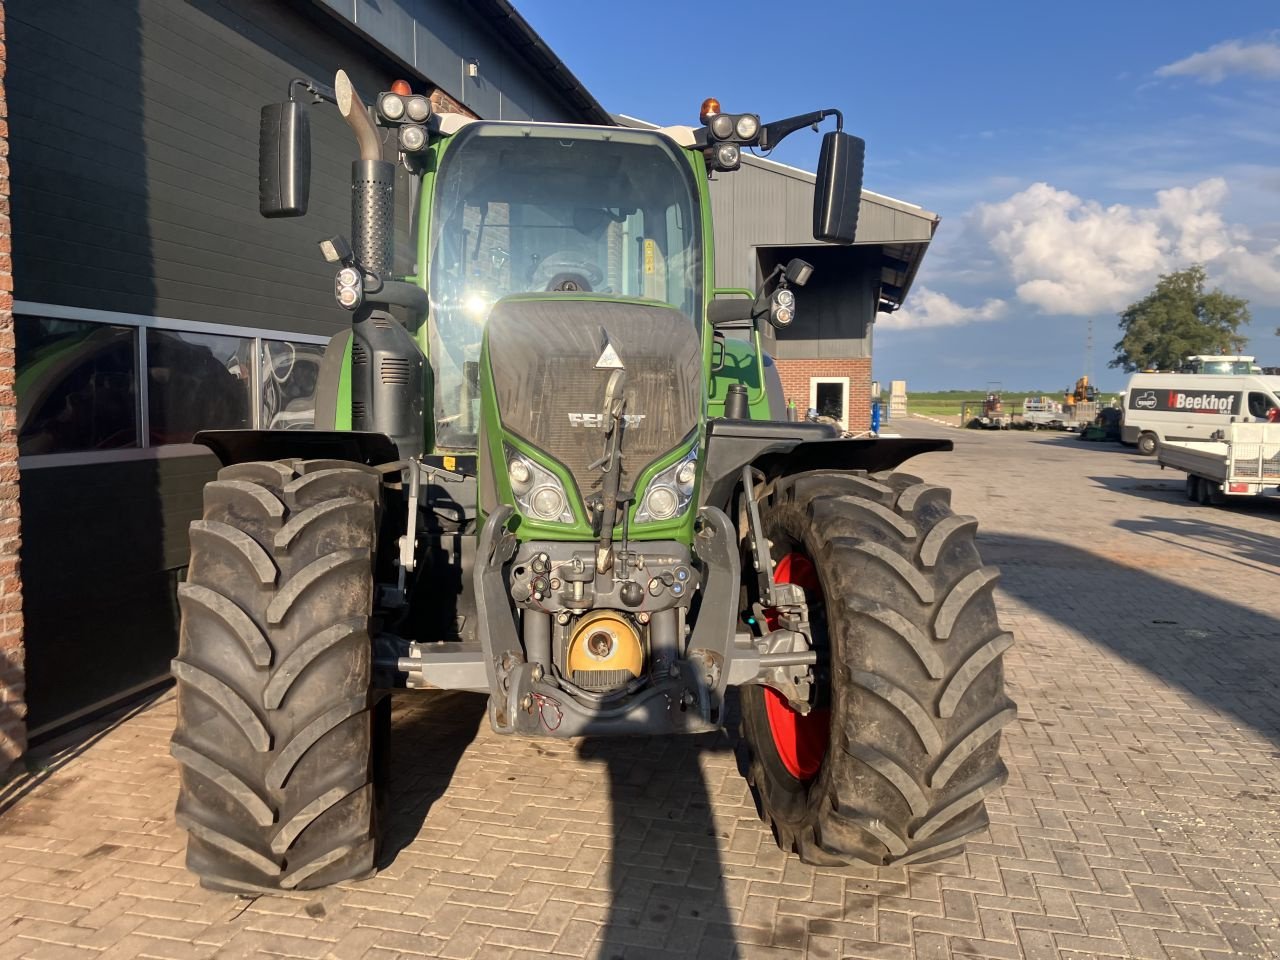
pixel 1148 444
pixel 910 666
pixel 274 732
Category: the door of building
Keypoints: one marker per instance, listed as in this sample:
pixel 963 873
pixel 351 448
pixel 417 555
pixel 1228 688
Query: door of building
pixel 830 397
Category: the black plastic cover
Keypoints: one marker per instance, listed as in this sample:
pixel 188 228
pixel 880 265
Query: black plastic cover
pixel 838 191
pixel 284 160
pixel 543 353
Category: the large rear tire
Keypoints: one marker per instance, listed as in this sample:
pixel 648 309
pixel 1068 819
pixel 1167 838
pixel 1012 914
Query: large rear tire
pixel 274 731
pixel 895 769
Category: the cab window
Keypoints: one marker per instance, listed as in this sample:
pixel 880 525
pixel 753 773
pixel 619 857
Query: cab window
pixel 1260 405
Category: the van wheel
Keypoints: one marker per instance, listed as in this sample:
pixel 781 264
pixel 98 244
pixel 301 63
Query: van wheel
pixel 1147 444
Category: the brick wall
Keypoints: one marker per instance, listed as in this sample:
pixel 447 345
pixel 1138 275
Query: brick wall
pixel 13 730
pixel 795 375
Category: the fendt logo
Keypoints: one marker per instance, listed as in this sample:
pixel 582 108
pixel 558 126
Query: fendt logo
pixel 1146 402
pixel 596 420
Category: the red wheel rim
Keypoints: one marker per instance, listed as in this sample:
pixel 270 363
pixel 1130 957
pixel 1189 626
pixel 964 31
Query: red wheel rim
pixel 801 740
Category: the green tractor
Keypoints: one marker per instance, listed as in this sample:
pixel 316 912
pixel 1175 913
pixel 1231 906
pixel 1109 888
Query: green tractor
pixel 540 470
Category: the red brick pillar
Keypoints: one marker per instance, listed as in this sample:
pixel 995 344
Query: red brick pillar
pixel 13 711
pixel 796 373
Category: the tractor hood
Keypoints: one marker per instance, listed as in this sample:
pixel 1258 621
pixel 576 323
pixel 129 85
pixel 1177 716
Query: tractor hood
pixel 550 358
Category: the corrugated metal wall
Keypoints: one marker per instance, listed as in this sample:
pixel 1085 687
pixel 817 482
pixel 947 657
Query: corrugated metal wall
pixel 768 204
pixel 439 38
pixel 134 126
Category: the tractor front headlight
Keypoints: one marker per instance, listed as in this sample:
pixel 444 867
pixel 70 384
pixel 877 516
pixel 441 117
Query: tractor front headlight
pixel 670 492
pixel 538 492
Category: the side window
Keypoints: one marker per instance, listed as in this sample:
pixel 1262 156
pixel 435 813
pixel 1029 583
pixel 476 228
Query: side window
pixel 76 386
pixel 1260 404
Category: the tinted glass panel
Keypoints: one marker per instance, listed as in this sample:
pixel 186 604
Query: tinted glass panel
pixel 197 381
pixel 289 373
pixel 76 386
pixel 551 209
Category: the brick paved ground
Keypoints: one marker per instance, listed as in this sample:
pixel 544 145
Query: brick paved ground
pixel 1140 819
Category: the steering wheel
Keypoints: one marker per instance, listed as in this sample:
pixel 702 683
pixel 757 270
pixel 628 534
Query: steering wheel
pixel 566 271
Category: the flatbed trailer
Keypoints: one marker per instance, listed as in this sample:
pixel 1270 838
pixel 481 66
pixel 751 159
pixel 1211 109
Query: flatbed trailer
pixel 1244 463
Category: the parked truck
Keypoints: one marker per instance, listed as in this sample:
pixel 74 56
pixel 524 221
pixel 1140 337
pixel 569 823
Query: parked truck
pixel 530 478
pixel 1243 462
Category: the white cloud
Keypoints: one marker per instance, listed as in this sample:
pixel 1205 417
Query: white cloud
pixel 932 309
pixel 1213 65
pixel 1072 256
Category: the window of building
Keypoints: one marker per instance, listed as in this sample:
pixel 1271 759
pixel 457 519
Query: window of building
pixel 81 398
pixel 288 376
pixel 76 386
pixel 196 381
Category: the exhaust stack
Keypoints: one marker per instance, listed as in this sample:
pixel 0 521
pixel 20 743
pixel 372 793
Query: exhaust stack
pixel 373 182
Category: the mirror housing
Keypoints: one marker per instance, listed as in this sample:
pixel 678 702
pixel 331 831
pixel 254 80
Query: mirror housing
pixel 838 191
pixel 284 160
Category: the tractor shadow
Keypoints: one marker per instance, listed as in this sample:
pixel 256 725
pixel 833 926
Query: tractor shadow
pixel 666 882
pixel 1224 653
pixel 428 736
pixel 1203 535
pixel 666 875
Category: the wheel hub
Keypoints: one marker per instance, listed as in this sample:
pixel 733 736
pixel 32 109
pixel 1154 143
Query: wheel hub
pixel 800 739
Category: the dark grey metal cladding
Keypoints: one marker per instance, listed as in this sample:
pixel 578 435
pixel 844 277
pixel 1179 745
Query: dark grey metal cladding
pixel 543 353
pixel 135 160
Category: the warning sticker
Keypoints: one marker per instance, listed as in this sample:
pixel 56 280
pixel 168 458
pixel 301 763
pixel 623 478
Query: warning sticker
pixel 650 255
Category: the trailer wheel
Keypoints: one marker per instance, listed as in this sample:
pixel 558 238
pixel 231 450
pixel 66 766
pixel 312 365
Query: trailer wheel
pixel 1209 493
pixel 894 762
pixel 1193 487
pixel 1147 444
pixel 274 733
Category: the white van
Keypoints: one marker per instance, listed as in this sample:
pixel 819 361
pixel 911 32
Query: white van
pixel 1190 406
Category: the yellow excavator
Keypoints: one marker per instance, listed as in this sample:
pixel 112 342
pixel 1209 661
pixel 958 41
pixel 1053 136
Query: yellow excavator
pixel 1083 393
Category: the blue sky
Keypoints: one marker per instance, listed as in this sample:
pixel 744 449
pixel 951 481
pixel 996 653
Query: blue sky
pixel 1074 150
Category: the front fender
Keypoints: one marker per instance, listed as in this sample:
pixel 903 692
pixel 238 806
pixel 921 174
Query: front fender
pixel 775 448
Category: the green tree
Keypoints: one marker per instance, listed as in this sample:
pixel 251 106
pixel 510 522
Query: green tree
pixel 1177 319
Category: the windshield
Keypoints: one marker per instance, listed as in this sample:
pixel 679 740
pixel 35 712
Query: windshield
pixel 533 209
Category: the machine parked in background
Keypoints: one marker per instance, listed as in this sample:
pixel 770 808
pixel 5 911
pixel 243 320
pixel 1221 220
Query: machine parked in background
pixel 524 493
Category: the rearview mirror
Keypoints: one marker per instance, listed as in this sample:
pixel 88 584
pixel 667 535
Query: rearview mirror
pixel 284 160
pixel 838 191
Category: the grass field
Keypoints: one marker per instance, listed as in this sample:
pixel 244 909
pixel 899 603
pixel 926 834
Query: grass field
pixel 946 403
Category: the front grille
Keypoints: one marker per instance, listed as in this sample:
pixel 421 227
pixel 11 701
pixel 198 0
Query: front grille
pixel 602 680
pixel 543 353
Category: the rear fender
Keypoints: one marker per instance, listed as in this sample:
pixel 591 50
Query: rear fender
pixel 776 448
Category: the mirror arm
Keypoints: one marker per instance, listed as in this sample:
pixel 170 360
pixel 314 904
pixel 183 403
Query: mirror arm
pixel 319 92
pixel 771 134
